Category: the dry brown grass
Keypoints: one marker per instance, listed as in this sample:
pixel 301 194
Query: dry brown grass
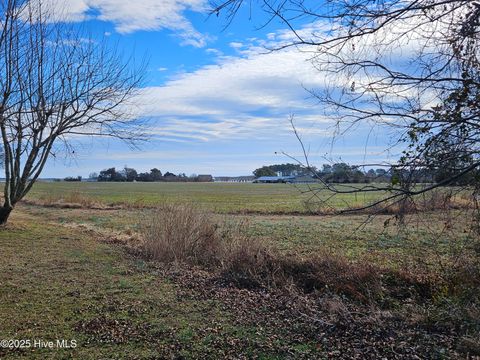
pixel 182 233
pixel 71 200
pixel 78 200
pixel 185 234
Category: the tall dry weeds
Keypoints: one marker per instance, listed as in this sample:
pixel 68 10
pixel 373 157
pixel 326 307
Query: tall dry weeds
pixel 182 233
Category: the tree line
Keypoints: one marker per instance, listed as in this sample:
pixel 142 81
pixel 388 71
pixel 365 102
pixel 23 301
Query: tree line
pixel 128 174
pixel 437 171
pixel 335 173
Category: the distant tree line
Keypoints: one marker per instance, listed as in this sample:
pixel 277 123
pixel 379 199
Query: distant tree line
pixel 335 173
pixel 345 173
pixel 284 169
pixel 128 174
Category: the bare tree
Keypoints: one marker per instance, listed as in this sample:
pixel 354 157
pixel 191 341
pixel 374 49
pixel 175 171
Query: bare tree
pixel 409 65
pixel 55 85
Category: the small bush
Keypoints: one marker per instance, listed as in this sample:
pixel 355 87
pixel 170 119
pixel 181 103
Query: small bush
pixel 181 233
pixel 334 273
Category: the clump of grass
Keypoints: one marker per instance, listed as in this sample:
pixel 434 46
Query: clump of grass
pixel 76 197
pixel 185 234
pixel 180 233
pixel 249 262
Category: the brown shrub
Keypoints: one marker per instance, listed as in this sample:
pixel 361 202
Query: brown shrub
pixel 249 262
pixel 180 233
pixel 252 264
pixel 334 273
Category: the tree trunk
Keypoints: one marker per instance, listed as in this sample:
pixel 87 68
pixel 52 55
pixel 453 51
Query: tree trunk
pixel 4 214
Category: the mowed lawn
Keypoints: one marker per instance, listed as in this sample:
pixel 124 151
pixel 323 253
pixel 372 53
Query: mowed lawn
pixel 216 197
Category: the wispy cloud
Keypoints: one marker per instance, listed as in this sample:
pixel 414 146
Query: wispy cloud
pixel 248 96
pixel 130 16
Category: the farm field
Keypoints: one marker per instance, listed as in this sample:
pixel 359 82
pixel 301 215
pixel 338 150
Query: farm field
pixel 348 236
pixel 80 273
pixel 216 197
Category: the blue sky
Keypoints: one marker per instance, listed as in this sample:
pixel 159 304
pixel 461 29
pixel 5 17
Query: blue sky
pixel 216 101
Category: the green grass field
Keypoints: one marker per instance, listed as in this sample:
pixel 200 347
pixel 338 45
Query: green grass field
pixel 217 197
pixel 70 273
pixel 273 212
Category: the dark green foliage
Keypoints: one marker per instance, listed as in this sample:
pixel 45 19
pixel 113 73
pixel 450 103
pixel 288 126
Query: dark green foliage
pixel 264 171
pixel 284 169
pixel 110 174
pixel 129 174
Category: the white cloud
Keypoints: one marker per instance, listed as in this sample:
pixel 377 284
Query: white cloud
pixel 213 51
pixel 236 45
pixel 249 96
pixel 271 82
pixel 240 127
pixel 130 16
